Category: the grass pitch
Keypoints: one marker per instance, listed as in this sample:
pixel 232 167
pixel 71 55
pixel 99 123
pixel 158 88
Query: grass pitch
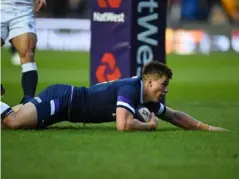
pixel 206 87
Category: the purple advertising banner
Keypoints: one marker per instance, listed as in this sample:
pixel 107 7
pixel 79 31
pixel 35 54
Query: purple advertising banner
pixel 148 33
pixel 125 34
pixel 110 39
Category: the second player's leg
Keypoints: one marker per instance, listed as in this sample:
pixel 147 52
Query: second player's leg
pixel 25 45
pixel 4 28
pixel 2 42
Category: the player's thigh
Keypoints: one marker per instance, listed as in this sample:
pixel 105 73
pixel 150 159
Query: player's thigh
pixel 27 116
pixel 24 118
pixel 59 117
pixel 22 33
pixel 50 112
pixel 25 44
pixel 17 107
pixel 52 105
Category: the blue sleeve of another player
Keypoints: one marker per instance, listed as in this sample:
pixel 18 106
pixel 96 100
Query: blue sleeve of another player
pixel 127 98
pixel 158 108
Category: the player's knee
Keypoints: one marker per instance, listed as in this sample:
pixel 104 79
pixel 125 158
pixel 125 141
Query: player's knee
pixel 26 55
pixel 26 52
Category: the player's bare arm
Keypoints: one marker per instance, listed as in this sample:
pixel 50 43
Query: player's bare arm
pixel 185 121
pixel 125 121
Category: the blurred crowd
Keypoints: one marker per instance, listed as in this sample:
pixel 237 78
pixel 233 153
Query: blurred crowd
pixel 178 10
pixel 214 11
pixel 65 9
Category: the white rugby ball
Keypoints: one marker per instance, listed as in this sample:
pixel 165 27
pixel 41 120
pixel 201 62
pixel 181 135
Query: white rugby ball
pixel 143 114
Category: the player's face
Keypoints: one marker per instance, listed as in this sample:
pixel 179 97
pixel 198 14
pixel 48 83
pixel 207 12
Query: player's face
pixel 157 87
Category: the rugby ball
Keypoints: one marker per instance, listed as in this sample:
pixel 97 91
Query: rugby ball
pixel 143 114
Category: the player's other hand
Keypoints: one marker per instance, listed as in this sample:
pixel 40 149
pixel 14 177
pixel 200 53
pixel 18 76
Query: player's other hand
pixel 153 121
pixel 39 4
pixel 218 129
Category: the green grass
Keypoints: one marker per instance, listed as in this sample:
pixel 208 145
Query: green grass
pixel 207 87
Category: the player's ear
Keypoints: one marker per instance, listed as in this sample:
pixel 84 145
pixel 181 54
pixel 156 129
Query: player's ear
pixel 150 81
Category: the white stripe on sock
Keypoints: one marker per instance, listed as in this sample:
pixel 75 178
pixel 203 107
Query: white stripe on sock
pixel 29 67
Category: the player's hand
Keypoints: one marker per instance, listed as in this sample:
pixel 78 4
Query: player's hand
pixel 219 129
pixel 153 121
pixel 39 4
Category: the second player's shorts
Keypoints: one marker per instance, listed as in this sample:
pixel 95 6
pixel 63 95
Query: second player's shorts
pixel 16 19
pixel 53 105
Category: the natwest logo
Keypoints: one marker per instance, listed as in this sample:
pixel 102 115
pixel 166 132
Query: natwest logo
pixel 109 3
pixel 109 16
pixel 108 69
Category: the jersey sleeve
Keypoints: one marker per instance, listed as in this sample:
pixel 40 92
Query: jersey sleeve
pixel 126 98
pixel 158 108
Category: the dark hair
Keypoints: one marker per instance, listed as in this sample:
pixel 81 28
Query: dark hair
pixel 158 68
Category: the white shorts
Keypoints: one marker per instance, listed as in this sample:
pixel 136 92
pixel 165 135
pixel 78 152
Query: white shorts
pixel 16 19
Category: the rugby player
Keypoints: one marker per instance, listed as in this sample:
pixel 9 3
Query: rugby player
pixel 18 24
pixel 104 102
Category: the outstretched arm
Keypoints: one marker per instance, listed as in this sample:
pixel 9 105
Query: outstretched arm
pixel 185 121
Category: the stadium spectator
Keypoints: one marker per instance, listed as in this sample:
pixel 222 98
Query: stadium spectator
pixel 232 8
